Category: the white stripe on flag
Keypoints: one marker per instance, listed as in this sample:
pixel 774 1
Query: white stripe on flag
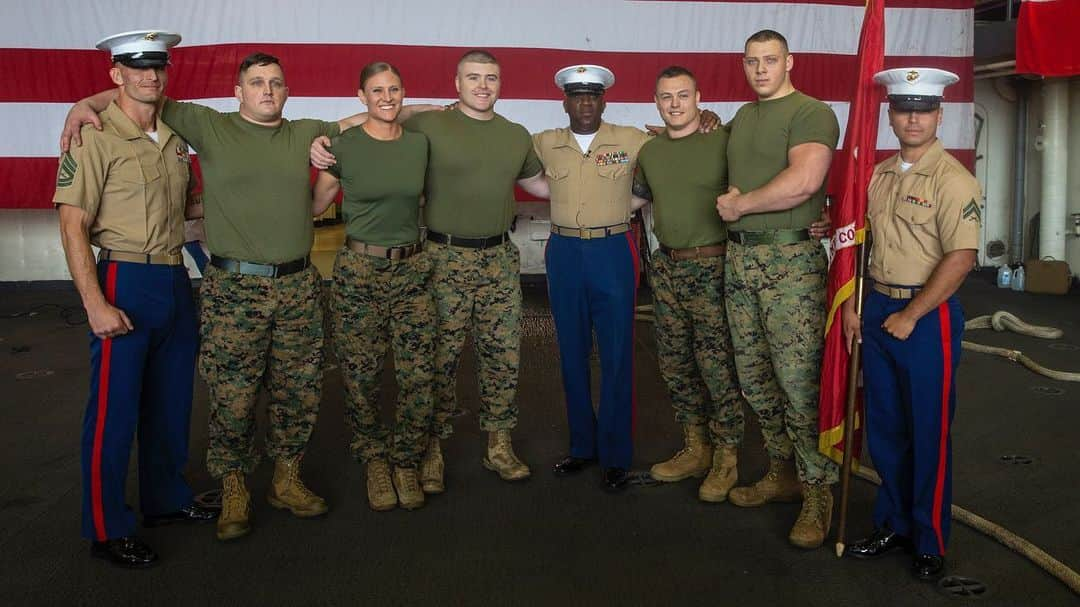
pixel 599 25
pixel 33 129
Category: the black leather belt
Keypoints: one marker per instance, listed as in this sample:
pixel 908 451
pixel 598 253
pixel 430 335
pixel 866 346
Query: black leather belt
pixel 756 237
pixel 268 270
pixel 468 243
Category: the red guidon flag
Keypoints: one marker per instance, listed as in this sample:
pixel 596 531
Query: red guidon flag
pixel 848 215
pixel 1046 42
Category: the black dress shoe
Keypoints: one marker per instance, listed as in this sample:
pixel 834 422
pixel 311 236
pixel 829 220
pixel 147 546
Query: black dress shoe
pixel 572 465
pixel 928 567
pixel 879 542
pixel 192 513
pixel 615 479
pixel 127 552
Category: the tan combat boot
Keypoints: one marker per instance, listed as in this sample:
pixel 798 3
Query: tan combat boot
pixel 431 468
pixel 287 491
pixel 780 484
pixel 407 484
pixel 694 459
pixel 723 475
pixel 380 491
pixel 501 458
pixel 815 518
pixel 235 518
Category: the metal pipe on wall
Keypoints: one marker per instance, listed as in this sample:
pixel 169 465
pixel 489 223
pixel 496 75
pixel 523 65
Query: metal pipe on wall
pixel 1016 238
pixel 1055 168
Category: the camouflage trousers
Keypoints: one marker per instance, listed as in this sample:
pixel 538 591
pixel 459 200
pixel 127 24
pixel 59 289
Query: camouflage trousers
pixel 477 291
pixel 378 303
pixel 260 331
pixel 776 309
pixel 694 346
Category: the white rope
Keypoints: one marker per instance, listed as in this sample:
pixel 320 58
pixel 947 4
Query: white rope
pixel 1004 321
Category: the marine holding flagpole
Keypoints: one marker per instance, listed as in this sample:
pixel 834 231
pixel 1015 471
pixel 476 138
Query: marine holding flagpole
pixel 924 215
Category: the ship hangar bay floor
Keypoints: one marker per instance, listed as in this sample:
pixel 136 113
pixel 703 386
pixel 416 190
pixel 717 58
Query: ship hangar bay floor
pixel 547 541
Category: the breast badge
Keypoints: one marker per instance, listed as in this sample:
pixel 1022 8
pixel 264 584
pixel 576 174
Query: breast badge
pixel 919 202
pixel 609 158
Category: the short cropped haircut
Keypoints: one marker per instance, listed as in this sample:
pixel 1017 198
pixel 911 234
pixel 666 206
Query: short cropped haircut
pixel 674 71
pixel 253 59
pixel 768 36
pixel 477 55
pixel 376 67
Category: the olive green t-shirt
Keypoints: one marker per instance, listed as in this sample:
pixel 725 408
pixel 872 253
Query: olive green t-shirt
pixel 472 168
pixel 256 181
pixel 685 176
pixel 383 181
pixel 762 132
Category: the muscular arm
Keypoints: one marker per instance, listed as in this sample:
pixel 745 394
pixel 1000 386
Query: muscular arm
pixel 947 277
pixel 322 196
pixel 193 208
pixel 808 164
pixel 105 319
pixel 537 185
pixel 640 195
pixel 85 111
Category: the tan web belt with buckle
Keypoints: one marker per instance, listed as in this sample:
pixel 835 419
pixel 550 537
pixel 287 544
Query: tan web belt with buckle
pixel 165 259
pixel 587 233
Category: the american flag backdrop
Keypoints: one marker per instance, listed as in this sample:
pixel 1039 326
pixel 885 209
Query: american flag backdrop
pixel 47 59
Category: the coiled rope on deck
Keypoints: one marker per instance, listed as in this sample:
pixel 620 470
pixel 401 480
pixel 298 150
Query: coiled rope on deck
pixel 999 321
pixel 1004 321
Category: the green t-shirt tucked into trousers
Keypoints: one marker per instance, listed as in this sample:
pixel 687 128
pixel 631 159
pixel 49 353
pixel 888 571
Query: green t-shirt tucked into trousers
pixel 383 181
pixel 762 133
pixel 685 176
pixel 472 168
pixel 256 181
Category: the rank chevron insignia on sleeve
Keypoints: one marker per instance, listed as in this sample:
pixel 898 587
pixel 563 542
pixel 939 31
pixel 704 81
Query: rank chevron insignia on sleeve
pixel 66 175
pixel 972 211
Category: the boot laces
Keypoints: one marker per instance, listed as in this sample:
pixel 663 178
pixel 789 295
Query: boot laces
pixel 233 500
pixel 408 475
pixel 813 510
pixel 381 476
pixel 293 479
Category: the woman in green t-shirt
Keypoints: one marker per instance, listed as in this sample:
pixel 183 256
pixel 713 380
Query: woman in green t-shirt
pixel 380 293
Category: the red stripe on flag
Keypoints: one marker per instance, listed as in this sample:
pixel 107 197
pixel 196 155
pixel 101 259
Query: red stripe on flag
pixel 102 410
pixel 945 4
pixel 206 72
pixel 943 445
pixel 30 182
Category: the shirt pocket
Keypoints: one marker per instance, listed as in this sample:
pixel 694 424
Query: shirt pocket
pixel 614 171
pixel 917 216
pixel 141 170
pixel 556 174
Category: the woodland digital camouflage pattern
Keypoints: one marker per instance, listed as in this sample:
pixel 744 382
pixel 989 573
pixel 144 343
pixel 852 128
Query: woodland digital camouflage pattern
pixel 776 309
pixel 379 303
pixel 260 331
pixel 477 291
pixel 694 346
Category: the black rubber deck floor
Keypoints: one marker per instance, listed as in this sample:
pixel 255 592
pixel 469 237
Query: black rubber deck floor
pixel 547 541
